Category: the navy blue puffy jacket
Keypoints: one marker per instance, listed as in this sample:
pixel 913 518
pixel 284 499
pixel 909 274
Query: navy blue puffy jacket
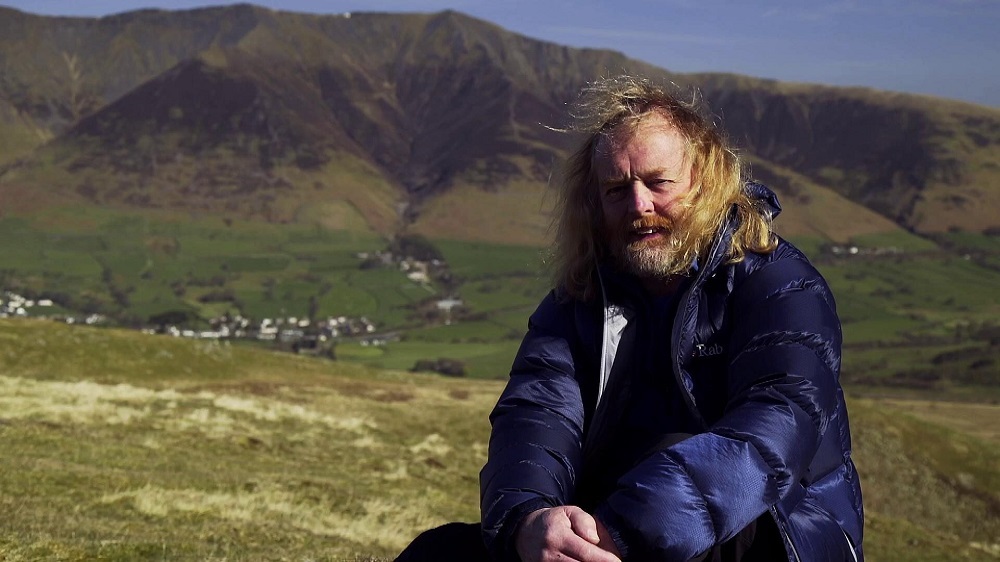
pixel 771 433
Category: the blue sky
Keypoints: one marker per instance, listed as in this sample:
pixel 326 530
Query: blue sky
pixel 947 48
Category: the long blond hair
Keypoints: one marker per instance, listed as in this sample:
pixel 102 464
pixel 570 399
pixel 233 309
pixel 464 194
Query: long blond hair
pixel 717 182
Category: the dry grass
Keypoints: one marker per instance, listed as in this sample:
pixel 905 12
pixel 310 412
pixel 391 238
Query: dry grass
pixel 931 492
pixel 215 415
pixel 331 466
pixel 979 420
pixel 518 213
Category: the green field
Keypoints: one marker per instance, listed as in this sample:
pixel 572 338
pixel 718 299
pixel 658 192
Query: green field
pixel 919 318
pixel 121 446
pixel 134 266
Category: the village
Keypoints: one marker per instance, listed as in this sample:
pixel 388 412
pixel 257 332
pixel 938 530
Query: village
pixel 292 333
pixel 290 329
pixel 13 305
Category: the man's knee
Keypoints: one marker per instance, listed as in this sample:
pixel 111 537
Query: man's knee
pixel 449 542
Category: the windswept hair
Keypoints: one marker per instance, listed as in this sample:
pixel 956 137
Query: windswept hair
pixel 717 182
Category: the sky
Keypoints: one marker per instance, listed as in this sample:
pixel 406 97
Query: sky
pixel 945 48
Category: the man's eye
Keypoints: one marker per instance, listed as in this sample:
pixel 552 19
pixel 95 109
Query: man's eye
pixel 614 191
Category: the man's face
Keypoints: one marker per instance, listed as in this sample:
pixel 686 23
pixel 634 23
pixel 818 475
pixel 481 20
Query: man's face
pixel 643 176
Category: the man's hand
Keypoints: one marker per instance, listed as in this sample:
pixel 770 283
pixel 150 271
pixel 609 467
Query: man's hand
pixel 564 534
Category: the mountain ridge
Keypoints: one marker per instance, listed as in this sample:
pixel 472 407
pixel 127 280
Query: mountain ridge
pixel 429 103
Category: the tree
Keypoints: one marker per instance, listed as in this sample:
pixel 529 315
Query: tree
pixel 171 318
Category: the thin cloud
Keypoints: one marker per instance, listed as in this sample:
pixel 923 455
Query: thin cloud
pixel 632 35
pixel 818 12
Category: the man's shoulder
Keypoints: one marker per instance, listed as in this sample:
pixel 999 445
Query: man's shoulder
pixel 783 252
pixel 785 262
pixel 558 307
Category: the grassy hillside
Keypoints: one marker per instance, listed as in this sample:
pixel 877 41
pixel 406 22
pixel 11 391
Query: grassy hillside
pixel 120 446
pixel 123 446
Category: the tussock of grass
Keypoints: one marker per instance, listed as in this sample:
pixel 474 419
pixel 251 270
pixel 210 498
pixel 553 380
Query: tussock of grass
pixel 379 523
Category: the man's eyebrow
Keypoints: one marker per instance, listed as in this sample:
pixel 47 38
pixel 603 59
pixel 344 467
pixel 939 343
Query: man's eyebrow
pixel 612 179
pixel 658 172
pixel 620 177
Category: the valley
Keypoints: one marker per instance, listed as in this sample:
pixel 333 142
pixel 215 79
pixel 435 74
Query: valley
pixel 197 195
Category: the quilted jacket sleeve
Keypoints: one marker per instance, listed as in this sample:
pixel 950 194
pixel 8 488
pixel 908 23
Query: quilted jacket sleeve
pixel 535 445
pixel 782 384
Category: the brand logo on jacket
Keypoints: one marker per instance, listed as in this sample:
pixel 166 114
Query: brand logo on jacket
pixel 702 350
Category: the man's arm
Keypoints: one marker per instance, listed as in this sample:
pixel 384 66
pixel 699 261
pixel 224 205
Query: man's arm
pixel 782 390
pixel 535 446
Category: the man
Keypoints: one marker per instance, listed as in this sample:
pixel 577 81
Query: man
pixel 676 396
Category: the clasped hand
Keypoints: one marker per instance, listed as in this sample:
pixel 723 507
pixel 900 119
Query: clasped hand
pixel 564 534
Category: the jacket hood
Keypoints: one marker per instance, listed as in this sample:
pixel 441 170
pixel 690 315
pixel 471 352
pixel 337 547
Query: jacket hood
pixel 765 197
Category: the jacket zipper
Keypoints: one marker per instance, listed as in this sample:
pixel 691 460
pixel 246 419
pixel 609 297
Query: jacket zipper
pixel 682 305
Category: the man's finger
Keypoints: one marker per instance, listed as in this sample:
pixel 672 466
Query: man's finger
pixel 577 548
pixel 583 524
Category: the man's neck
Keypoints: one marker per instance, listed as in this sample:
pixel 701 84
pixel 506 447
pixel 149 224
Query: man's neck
pixel 659 287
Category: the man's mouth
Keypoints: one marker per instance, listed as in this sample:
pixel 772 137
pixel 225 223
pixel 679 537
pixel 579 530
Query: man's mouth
pixel 645 233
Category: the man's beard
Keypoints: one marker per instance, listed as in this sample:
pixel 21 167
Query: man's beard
pixel 655 258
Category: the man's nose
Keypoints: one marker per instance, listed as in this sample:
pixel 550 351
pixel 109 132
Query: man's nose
pixel 641 200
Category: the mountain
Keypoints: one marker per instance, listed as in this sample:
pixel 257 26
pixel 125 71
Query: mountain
pixel 439 124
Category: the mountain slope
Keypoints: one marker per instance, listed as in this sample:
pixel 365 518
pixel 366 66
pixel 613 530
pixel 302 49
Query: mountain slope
pixel 928 164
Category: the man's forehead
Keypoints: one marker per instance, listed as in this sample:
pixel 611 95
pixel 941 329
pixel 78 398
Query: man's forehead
pixel 610 144
pixel 622 133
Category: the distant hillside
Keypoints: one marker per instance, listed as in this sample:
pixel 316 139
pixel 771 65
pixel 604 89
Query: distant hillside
pixel 928 164
pixel 434 123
